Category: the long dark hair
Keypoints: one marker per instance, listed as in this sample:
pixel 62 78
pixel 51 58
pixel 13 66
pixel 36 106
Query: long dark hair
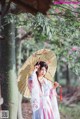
pixel 42 64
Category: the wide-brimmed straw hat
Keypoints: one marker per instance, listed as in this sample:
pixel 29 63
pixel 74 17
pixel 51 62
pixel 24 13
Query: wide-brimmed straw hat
pixel 45 55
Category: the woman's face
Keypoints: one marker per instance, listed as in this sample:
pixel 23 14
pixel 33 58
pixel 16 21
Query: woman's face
pixel 42 71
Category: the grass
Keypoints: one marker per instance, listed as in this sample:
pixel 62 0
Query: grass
pixel 69 112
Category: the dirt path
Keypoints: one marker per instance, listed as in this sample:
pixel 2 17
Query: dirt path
pixel 26 110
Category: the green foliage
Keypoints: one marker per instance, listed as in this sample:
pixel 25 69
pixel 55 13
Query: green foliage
pixel 42 27
pixel 60 31
pixel 69 112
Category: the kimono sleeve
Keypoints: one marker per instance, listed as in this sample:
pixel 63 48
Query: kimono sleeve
pixel 31 81
pixel 52 91
pixel 34 89
pixel 54 103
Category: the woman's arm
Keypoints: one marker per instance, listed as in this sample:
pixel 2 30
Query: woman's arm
pixel 31 81
pixel 53 89
pixel 32 78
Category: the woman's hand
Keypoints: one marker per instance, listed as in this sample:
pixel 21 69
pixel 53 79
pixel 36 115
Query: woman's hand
pixel 56 84
pixel 36 67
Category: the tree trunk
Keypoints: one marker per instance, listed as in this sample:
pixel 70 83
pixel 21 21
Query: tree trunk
pixel 18 66
pixel 20 106
pixel 67 79
pixel 57 75
pixel 67 76
pixel 9 88
pixel 18 54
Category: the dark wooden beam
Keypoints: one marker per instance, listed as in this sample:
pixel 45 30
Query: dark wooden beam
pixel 33 6
pixel 25 7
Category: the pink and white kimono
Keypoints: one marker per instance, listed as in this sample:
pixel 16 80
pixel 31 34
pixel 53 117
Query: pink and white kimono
pixel 43 99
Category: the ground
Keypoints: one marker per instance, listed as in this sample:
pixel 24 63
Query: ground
pixel 65 112
pixel 26 110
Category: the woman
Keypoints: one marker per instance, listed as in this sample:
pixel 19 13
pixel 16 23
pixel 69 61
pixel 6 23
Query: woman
pixel 43 94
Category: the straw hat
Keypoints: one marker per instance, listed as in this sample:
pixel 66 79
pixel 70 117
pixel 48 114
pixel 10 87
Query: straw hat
pixel 45 55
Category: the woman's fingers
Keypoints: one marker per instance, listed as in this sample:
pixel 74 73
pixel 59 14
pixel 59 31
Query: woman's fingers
pixel 56 84
pixel 36 67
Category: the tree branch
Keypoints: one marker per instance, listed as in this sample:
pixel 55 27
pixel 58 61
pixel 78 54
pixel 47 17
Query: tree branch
pixel 25 35
pixel 63 15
